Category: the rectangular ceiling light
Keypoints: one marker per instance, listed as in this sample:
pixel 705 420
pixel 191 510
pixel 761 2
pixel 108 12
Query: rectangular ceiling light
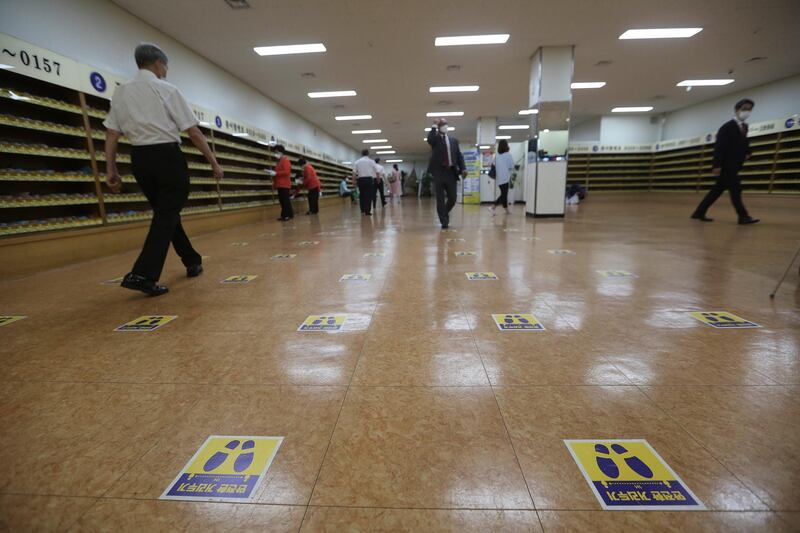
pixel 501 137
pixel 373 141
pixel 528 111
pixel 394 160
pixel 445 114
pixel 462 40
pixel 362 132
pixel 289 49
pixel 384 147
pixel 704 83
pixel 386 152
pixel 484 147
pixel 354 117
pixel 514 127
pixel 661 33
pixel 451 128
pixel 332 94
pixel 640 109
pixel 588 84
pixel 455 89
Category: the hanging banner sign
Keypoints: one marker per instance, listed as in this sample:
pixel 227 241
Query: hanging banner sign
pixel 471 185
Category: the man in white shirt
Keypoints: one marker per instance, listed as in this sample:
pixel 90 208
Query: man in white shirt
pixel 152 113
pixel 380 175
pixel 364 173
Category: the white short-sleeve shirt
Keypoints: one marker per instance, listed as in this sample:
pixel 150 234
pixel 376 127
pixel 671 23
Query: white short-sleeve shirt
pixel 149 111
pixel 365 168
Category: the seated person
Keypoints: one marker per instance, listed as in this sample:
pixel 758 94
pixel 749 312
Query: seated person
pixel 344 192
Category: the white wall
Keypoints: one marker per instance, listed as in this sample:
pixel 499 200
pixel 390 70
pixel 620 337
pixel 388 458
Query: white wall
pixel 773 101
pixel 101 34
pixel 586 131
pixel 628 129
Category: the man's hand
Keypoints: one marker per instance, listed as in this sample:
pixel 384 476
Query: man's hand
pixel 716 172
pixel 463 173
pixel 217 170
pixel 114 182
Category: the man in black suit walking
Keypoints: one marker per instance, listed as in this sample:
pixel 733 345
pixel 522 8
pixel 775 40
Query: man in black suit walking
pixel 731 150
pixel 447 166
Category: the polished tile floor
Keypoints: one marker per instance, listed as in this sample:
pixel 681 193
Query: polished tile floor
pixel 424 416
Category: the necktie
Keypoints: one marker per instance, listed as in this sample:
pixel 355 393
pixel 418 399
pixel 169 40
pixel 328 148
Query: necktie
pixel 447 161
pixel 744 129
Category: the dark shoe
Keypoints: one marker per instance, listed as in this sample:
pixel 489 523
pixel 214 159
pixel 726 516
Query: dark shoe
pixel 193 271
pixel 140 283
pixel 748 220
pixel 702 217
pixel 445 225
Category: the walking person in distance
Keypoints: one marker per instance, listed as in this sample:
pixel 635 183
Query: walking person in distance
pixel 447 167
pixel 380 173
pixel 282 181
pixel 312 185
pixel 364 172
pixel 503 166
pixel 152 113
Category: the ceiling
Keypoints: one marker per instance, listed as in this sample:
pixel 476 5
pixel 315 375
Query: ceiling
pixel 384 50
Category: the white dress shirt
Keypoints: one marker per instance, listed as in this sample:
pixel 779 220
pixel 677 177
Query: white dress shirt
pixel 365 168
pixel 380 172
pixel 149 111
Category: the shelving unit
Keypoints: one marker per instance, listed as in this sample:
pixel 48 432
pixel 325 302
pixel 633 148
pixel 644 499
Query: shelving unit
pixel 52 173
pixel 774 168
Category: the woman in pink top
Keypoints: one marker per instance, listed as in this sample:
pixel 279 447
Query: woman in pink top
pixel 395 183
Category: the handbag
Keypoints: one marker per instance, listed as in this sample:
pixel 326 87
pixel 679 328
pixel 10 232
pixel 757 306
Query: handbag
pixel 493 172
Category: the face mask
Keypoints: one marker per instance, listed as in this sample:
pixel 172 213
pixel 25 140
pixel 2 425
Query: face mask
pixel 743 115
pixel 444 129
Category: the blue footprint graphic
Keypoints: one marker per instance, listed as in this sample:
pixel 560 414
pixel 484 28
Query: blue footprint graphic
pixel 635 464
pixel 606 464
pixel 244 460
pixel 218 458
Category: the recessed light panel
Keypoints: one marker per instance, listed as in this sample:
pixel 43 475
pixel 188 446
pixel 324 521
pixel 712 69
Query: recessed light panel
pixel 331 94
pixel 463 40
pixel 661 33
pixel 362 132
pixel 588 84
pixel 290 49
pixel 639 109
pixel 445 114
pixel 353 117
pixel 455 89
pixel 705 83
pixel 528 111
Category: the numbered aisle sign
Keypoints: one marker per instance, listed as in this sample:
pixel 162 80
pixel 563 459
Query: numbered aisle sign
pixel 517 321
pixel 722 319
pixel 561 252
pixel 239 279
pixel 283 256
pixel 225 469
pixel 147 323
pixel 616 274
pixel 481 276
pixel 115 281
pixel 627 475
pixel 356 277
pixel 323 323
pixel 10 319
pixel 465 254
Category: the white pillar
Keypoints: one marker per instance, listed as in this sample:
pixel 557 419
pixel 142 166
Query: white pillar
pixel 487 129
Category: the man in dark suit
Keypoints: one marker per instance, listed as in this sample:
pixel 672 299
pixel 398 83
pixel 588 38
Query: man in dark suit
pixel 731 150
pixel 446 166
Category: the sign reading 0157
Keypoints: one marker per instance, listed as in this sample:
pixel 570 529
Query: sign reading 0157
pixel 38 62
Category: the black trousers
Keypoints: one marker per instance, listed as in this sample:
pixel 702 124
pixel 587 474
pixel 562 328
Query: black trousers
pixel 285 198
pixel 366 191
pixel 445 183
pixel 313 201
pixel 378 190
pixel 162 173
pixel 726 180
pixel 503 198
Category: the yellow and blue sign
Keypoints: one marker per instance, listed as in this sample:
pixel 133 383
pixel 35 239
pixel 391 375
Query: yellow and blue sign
pixel 517 321
pixel 10 319
pixel 627 475
pixel 146 323
pixel 225 469
pixel 465 254
pixel 374 254
pixel 561 252
pixel 722 319
pixel 481 276
pixel 239 279
pixel 356 277
pixel 616 274
pixel 283 256
pixel 323 323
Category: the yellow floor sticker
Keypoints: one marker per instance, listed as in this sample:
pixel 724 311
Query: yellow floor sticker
pixel 628 475
pixel 147 323
pixel 561 252
pixel 308 243
pixel 481 276
pixel 283 256
pixel 240 243
pixel 517 321
pixel 465 254
pixel 323 323
pixel 456 240
pixel 10 319
pixel 115 281
pixel 356 277
pixel 616 274
pixel 722 319
pixel 225 469
pixel 374 254
pixel 239 279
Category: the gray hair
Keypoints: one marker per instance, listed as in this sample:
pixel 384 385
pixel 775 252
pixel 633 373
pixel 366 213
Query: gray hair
pixel 147 54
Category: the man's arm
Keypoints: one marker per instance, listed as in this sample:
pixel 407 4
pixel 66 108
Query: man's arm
pixel 461 165
pixel 720 148
pixel 112 176
pixel 199 141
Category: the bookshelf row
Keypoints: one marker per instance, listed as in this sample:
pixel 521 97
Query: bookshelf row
pixel 773 168
pixel 52 170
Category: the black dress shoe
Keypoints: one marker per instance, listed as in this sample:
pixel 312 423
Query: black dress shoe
pixel 445 225
pixel 702 217
pixel 140 283
pixel 748 220
pixel 193 271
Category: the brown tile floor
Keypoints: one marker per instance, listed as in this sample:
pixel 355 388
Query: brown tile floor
pixel 425 417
